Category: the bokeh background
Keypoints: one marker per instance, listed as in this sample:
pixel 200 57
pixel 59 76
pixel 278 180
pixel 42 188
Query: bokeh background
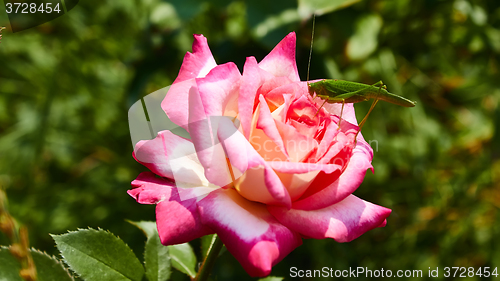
pixel 66 86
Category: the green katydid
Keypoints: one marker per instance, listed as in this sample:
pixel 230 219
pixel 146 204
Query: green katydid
pixel 340 91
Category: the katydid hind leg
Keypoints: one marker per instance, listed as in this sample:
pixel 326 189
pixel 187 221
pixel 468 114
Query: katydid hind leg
pixel 320 108
pixel 341 112
pixel 366 117
pixel 380 84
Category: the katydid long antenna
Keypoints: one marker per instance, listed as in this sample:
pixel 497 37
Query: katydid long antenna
pixel 311 49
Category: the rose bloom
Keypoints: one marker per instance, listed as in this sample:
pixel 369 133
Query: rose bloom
pixel 270 172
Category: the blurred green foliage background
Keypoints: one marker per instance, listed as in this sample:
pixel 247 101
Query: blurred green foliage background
pixel 66 86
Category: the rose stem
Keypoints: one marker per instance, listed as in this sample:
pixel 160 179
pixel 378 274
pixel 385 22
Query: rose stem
pixel 209 262
pixel 215 246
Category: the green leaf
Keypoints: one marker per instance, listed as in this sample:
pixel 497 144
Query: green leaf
pixel 9 266
pixel 48 268
pixel 183 258
pixel 364 41
pixel 272 278
pixel 99 255
pixel 320 7
pixel 148 227
pixel 157 259
pixel 206 241
pixel 274 22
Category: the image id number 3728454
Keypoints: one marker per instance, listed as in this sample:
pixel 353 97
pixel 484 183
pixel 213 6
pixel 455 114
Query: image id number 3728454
pixel 32 8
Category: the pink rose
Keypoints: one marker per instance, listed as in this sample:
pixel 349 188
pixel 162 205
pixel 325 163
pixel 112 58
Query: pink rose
pixel 292 172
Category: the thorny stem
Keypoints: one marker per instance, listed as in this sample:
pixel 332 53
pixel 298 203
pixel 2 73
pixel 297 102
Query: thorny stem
pixel 19 239
pixel 1 28
pixel 209 262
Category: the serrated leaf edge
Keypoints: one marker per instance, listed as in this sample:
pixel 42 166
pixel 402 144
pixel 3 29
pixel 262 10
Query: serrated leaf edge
pixel 91 229
pixel 58 261
pixel 54 258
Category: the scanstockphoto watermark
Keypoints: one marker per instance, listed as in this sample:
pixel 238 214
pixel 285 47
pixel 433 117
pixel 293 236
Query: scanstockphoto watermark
pixel 366 272
pixel 302 145
pixel 26 14
pixel 357 272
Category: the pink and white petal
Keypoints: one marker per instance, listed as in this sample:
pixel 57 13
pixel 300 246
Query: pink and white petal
pixel 281 60
pixel 363 147
pixel 383 224
pixel 203 132
pixel 254 237
pixel 326 142
pixel 218 87
pixel 303 167
pixel 276 97
pixel 303 107
pixel 303 128
pixel 149 189
pixel 176 102
pixel 178 220
pixel 261 184
pixel 343 221
pixel 297 145
pixel 320 197
pixel 251 81
pixel 348 113
pixel 198 63
pixel 271 82
pixel 266 123
pixel 297 184
pixel 171 156
pixel 299 178
pixel 341 144
pixel 256 180
pixel 280 113
pixel 266 147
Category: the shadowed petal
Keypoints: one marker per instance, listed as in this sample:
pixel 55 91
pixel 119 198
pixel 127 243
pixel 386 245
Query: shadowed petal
pixel 195 65
pixel 344 221
pixel 250 83
pixel 171 156
pixel 254 237
pixel 177 216
pixel 218 87
pixel 339 186
pixel 203 132
pixel 176 102
pixel 150 189
pixel 266 123
pixel 256 180
pixel 178 220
